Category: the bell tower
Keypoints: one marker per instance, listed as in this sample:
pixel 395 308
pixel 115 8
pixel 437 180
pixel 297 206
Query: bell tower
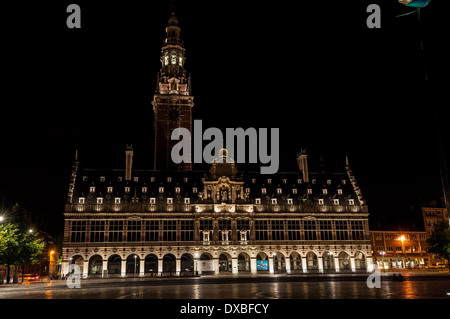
pixel 173 100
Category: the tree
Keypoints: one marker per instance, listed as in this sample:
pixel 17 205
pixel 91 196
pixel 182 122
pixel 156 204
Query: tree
pixel 439 241
pixel 18 247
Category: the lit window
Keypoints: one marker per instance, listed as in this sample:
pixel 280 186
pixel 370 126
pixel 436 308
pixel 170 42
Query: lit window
pixel 273 201
pixel 117 200
pixel 185 179
pixel 102 178
pixel 336 201
pixel 289 201
pixel 119 179
pixel 257 201
pixel 144 189
pixel 294 191
pixel 339 191
pixel 309 191
pixel 269 181
pixel 85 178
pixel 329 181
pixel 180 61
pixel 194 190
pixel 170 201
pixel 314 181
pixel 320 201
pixel 343 182
pixel 161 189
pixel 174 59
pixel 152 200
pixel 254 180
pixel 127 189
pixel 279 190
pixel 166 60
pixel 325 191
pixel 152 179
pixel 109 189
pixel 99 200
pixel 81 200
pixel 177 189
pixel 136 179
pixel 351 202
pixel 299 181
pixel 187 200
pixel 284 180
pixel 263 190
pixel 169 179
pixel 92 189
pixel 247 190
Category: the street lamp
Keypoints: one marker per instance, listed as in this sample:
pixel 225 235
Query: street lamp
pixel 1 219
pixel 402 239
pixel 382 259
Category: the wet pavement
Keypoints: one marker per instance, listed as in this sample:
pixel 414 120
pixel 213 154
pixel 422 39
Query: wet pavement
pixel 352 286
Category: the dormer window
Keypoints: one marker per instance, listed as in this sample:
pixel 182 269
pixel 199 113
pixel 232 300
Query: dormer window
pixel 119 179
pixel 194 190
pixel 81 200
pixel 324 191
pixel 169 179
pixel 299 181
pixel 247 190
pixel 127 189
pixel 314 181
pixel 257 201
pixel 102 178
pixel 152 200
pixel 343 182
pixel 99 200
pixel 263 190
pixel 117 200
pixel 328 181
pixel 170 201
pixel 187 200
pixel 85 178
pixel 92 189
pixel 152 179
pixel 177 189
pixel 336 201
pixel 279 190
pixel 309 191
pixel 339 191
pixel 136 179
pixel 351 202
pixel 144 189
pixel 269 181
pixel 109 189
pixel 320 201
pixel 161 189
pixel 273 201
pixel 185 179
pixel 254 180
pixel 294 191
pixel 289 201
pixel 284 180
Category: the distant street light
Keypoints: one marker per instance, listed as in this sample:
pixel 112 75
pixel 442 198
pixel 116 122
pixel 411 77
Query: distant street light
pixel 1 219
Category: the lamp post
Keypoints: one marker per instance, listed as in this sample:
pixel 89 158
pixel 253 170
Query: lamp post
pixel 402 239
pixel 382 260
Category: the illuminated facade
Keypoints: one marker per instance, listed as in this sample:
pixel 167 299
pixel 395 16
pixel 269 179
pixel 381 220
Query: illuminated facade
pixel 173 221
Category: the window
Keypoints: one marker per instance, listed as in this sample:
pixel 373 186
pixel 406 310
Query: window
pixel 78 231
pixel 344 182
pixel 187 200
pixel 174 59
pixel 186 230
pixel 144 189
pixel 127 189
pixel 109 189
pixel 309 191
pixel 169 179
pixel 166 60
pixel 336 201
pixel 99 200
pixel 341 229
pixel 152 200
pixel 161 189
pixel 398 249
pixel 269 181
pixel 92 189
pixel 261 229
pixel 194 190
pixel 152 179
pixel 135 179
pixel 324 191
pixel 389 248
pixel 258 201
pixel 169 230
pixel 289 201
pixel 85 178
pixel 284 180
pixel 242 224
pixel 299 181
pixel 151 230
pixel 170 201
pixel 119 179
pixel 314 181
pixel 325 230
pixel 294 191
pixel 379 236
pixel 309 227
pixel 277 229
pixel 254 180
pixel 339 191
pixel 279 191
pixel 97 231
pixel 115 230
pixel 293 229
pixel 205 224
pixel 134 230
pixel 357 229
pixel 263 190
pixel 351 202
pixel 102 178
pixel 328 181
pixel 81 200
pixel 247 190
pixel 177 189
pixel 117 200
pixel 273 201
pixel 224 224
pixel 320 201
pixel 388 236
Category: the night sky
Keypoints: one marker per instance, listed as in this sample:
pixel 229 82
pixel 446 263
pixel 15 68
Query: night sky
pixel 332 86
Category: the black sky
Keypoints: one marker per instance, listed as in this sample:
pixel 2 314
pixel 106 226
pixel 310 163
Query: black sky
pixel 314 70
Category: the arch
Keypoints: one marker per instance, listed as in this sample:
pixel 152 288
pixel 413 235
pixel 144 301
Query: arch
pixel 187 263
pixel 169 264
pixel 114 265
pixel 311 262
pixel 225 262
pixel 262 262
pixel 95 265
pixel 243 262
pixel 296 262
pixel 360 261
pixel 151 264
pixel 133 265
pixel 79 261
pixel 344 262
pixel 328 262
pixel 206 256
pixel 205 264
pixel 279 262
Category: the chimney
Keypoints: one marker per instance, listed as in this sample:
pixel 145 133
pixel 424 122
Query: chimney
pixel 128 162
pixel 302 161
